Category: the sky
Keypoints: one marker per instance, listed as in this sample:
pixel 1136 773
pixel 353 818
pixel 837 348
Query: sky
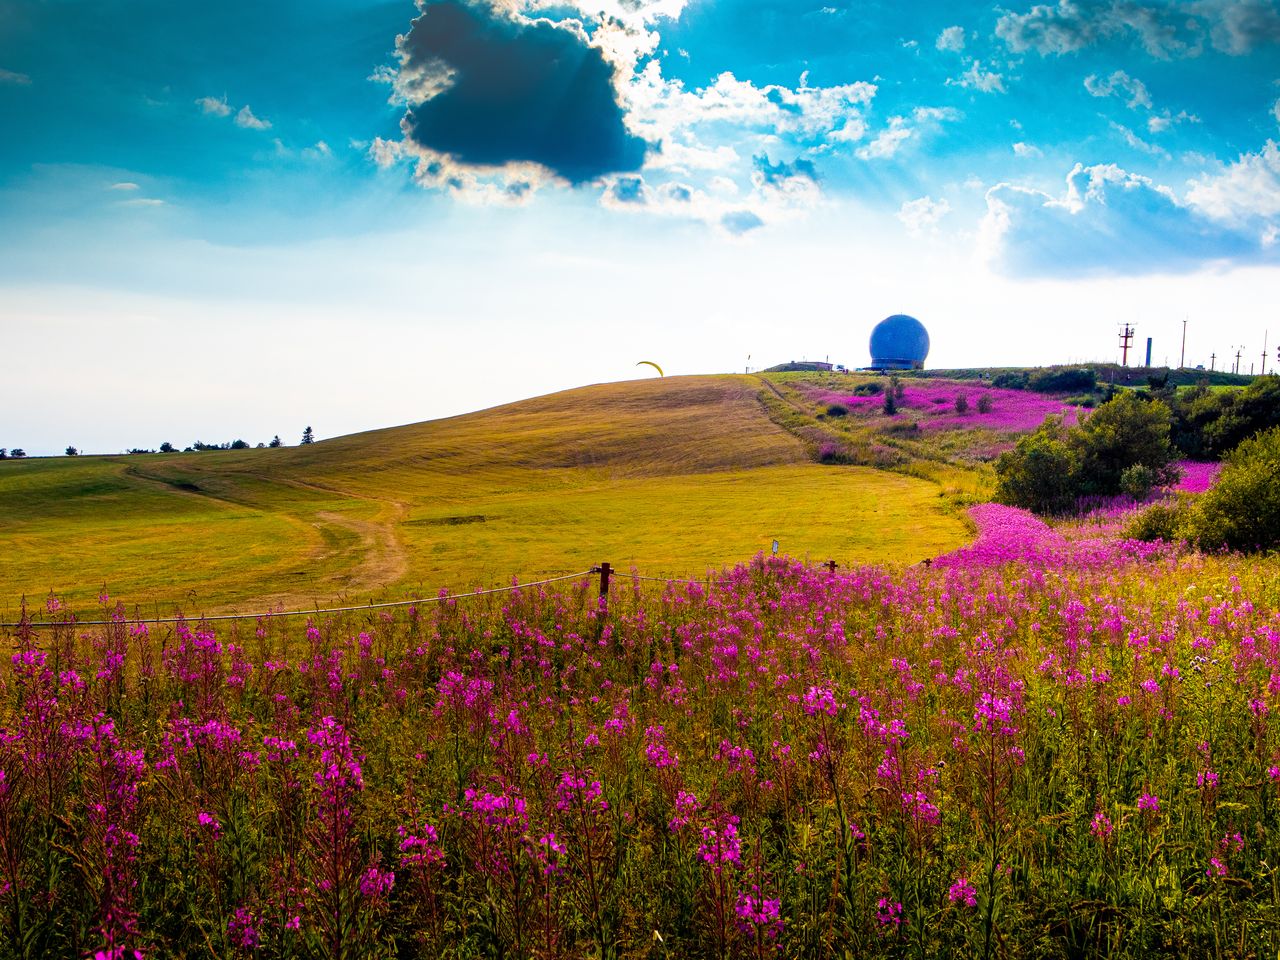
pixel 236 220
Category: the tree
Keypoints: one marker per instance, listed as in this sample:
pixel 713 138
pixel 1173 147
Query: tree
pixel 239 444
pixel 167 447
pixel 72 452
pixel 17 453
pixel 4 453
pixel 275 441
pixel 1041 473
pixel 1122 433
pixel 308 436
pixel 1123 447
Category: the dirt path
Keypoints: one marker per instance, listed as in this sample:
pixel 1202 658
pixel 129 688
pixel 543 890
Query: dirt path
pixel 383 559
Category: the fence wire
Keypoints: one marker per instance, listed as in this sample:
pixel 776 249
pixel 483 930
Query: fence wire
pixel 38 624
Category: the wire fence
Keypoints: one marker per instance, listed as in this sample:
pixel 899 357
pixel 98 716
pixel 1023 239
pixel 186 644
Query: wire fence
pixel 303 613
pixel 605 571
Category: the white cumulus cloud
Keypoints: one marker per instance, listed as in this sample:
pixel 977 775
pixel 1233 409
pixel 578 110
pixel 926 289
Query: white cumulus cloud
pixel 1244 191
pixel 976 78
pixel 1111 221
pixel 246 119
pixel 901 129
pixel 1119 84
pixel 952 38
pixel 922 215
pixel 214 106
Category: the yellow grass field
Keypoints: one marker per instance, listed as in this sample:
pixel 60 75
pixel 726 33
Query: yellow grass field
pixel 673 476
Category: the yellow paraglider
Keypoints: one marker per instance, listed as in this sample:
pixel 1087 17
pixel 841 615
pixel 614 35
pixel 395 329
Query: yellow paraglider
pixel 652 364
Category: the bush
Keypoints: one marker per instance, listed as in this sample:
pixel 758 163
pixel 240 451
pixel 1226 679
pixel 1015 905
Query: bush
pixel 1063 380
pixel 904 428
pixel 962 404
pixel 167 447
pixel 1010 381
pixel 1256 407
pixel 1160 521
pixel 984 403
pixel 890 403
pixel 871 389
pixel 1241 510
pixel 837 410
pixel 1138 481
pixel 72 452
pixel 831 452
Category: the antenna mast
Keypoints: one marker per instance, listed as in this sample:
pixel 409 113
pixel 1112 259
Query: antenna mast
pixel 1125 337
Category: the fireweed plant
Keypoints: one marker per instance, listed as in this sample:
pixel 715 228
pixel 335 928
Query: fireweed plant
pixel 1040 746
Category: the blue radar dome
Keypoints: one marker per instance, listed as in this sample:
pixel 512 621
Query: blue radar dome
pixel 899 343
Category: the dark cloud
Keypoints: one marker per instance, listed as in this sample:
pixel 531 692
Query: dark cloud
pixel 1241 25
pixel 1111 222
pixel 1165 30
pixel 1072 25
pixel 773 174
pixel 515 92
pixel 739 222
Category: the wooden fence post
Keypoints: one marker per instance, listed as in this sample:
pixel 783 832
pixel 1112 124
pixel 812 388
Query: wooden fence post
pixel 831 566
pixel 605 571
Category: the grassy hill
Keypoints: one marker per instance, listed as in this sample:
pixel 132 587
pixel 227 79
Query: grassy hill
pixel 673 475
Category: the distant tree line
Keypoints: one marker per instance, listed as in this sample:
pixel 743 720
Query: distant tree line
pixel 308 436
pixel 1049 380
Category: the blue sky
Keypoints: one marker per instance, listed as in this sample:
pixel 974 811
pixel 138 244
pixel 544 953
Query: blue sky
pixel 357 214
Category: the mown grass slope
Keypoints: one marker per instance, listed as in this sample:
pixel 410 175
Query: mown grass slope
pixel 673 476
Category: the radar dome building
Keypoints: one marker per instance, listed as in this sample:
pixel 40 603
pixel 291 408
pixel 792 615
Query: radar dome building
pixel 899 342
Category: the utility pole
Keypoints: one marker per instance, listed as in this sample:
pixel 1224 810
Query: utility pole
pixel 1265 334
pixel 1212 357
pixel 1182 360
pixel 1239 354
pixel 1125 337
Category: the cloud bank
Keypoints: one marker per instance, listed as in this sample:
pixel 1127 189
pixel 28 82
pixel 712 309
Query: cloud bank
pixel 1111 221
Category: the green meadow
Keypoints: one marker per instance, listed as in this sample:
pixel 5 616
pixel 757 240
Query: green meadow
pixel 671 476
